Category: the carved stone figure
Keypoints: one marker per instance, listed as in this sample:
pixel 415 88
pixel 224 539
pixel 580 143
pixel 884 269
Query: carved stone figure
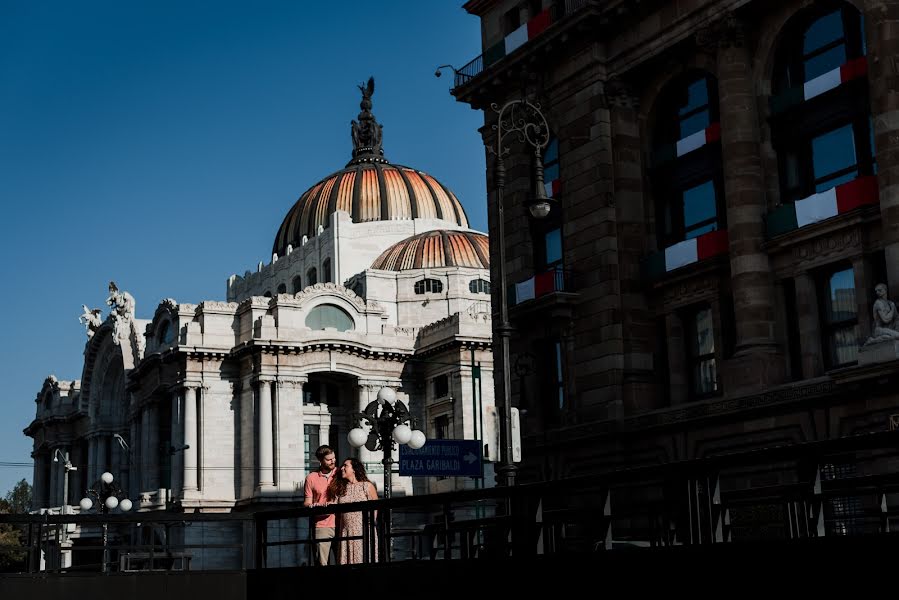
pixel 886 319
pixel 122 304
pixel 90 318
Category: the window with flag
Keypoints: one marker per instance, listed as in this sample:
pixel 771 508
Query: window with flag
pixel 821 124
pixel 547 232
pixel 700 333
pixel 840 317
pixel 687 161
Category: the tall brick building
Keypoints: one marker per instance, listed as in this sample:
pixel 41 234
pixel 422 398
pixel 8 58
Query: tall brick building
pixel 727 177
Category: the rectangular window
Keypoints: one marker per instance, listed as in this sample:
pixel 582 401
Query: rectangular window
pixel 552 241
pixel 840 316
pixel 441 427
pixel 834 158
pixel 701 350
pixel 700 210
pixel 552 380
pixel 441 386
pixel 310 445
pixel 694 115
pixel 692 212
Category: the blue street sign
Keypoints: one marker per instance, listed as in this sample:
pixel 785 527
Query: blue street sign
pixel 444 458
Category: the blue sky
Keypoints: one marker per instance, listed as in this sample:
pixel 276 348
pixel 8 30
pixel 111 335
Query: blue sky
pixel 159 144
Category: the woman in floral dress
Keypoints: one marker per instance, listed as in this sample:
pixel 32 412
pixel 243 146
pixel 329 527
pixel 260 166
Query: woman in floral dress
pixel 351 485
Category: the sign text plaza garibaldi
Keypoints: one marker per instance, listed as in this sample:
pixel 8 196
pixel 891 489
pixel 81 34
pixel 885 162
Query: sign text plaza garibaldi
pixel 375 280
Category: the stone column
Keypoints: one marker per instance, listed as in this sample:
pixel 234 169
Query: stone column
pixel 639 391
pixel 55 481
pixel 102 456
pixel 809 326
pixel 247 436
pixel 290 459
pixel 92 474
pixel 864 297
pixel 177 428
pixel 190 439
pixel 266 447
pixel 758 361
pixel 678 379
pixel 146 456
pixel 40 487
pixel 882 31
pixel 153 446
pixel 134 458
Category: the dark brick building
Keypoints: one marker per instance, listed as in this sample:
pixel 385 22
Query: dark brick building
pixel 727 174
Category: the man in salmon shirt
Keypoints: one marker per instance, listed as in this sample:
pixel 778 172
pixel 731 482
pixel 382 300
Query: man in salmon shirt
pixel 314 490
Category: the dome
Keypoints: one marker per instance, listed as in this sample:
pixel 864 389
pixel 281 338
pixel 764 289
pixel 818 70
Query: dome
pixel 439 248
pixel 369 188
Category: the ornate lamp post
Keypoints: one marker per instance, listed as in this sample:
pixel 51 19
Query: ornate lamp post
pixel 388 418
pixel 524 120
pixel 109 496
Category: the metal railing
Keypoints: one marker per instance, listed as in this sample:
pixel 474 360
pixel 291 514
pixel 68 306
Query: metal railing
pixel 706 501
pixel 558 11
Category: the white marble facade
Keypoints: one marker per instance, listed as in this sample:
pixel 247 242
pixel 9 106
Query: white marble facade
pixel 211 405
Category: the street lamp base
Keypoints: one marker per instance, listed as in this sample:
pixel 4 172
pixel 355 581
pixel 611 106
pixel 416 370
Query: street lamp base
pixel 506 474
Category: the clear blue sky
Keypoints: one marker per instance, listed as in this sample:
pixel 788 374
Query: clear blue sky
pixel 159 144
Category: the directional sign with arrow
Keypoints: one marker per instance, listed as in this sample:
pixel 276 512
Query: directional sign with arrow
pixel 443 458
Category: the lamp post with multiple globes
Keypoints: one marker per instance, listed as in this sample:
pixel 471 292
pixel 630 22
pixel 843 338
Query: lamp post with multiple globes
pixel 109 496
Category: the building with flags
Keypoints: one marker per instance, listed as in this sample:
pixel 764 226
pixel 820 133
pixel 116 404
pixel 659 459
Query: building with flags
pixel 725 179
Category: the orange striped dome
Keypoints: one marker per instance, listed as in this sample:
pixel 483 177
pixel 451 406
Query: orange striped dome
pixel 439 248
pixel 369 191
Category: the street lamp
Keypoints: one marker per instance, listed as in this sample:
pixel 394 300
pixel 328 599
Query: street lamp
pixel 67 465
pixel 109 496
pixel 523 119
pixel 388 418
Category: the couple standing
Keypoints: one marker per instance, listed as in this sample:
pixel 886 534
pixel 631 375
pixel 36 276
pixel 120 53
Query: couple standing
pixel 329 485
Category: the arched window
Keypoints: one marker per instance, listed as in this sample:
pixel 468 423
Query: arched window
pixel 687 180
pixel 166 334
pixel 326 271
pixel 311 276
pixel 297 284
pixel 820 124
pixel 267 295
pixel 329 316
pixel 282 288
pixel 479 286
pixel 428 286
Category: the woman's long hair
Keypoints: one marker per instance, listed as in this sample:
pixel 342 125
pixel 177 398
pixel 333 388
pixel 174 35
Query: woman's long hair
pixel 338 485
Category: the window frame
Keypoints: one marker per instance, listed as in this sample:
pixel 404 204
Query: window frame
pixel 672 178
pixel 479 286
pixel 829 327
pixel 694 358
pixel 425 286
pixel 794 129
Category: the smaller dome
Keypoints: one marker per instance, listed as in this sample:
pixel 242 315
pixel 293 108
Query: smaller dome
pixel 438 248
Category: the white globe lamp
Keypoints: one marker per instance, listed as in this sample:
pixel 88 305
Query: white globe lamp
pixel 106 477
pixel 357 437
pixel 417 439
pixel 402 433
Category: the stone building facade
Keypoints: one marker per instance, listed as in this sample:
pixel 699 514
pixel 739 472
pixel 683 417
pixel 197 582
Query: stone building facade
pixel 375 280
pixel 727 185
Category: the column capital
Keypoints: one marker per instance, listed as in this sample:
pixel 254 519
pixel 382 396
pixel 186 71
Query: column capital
pixel 264 378
pixel 728 31
pixel 621 94
pixel 293 381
